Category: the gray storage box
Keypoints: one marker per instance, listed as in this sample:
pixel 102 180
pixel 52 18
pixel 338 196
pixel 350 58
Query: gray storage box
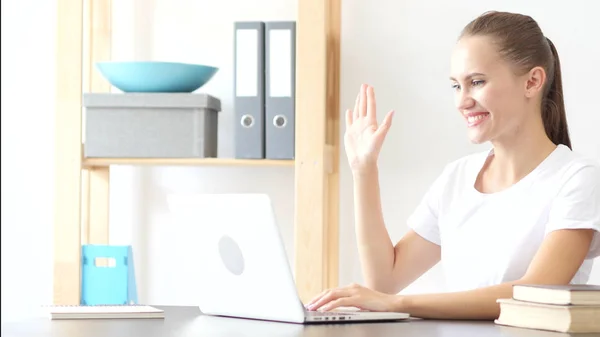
pixel 150 125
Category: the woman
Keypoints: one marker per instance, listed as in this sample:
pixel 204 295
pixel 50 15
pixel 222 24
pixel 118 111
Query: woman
pixel 527 211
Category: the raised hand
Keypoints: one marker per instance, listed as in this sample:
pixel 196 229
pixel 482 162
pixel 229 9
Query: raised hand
pixel 363 137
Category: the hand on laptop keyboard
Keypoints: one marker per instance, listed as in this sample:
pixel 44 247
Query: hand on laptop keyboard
pixel 355 296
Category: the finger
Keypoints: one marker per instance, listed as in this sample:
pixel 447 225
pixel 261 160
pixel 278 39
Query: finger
pixel 348 118
pixel 317 298
pixel 356 103
pixel 340 302
pixel 363 101
pixel 371 104
pixel 349 288
pixel 320 300
pixel 331 295
pixel 385 125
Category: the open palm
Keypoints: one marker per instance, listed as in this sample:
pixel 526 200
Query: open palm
pixel 363 138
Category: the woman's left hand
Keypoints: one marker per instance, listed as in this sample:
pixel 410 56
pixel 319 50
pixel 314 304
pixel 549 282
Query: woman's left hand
pixel 353 296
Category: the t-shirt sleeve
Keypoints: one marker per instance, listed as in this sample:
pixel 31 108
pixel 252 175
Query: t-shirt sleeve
pixel 577 205
pixel 424 219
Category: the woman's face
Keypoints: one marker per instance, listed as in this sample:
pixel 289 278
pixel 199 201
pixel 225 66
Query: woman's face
pixel 488 94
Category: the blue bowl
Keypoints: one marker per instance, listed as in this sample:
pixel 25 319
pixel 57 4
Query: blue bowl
pixel 150 76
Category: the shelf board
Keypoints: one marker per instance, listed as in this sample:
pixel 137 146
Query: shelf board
pixel 96 162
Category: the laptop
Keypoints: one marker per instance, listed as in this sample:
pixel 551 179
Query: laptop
pixel 244 262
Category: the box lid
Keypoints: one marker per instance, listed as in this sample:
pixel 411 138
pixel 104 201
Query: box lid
pixel 151 100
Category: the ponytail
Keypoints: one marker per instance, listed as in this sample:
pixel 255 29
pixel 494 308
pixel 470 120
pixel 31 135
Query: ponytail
pixel 553 105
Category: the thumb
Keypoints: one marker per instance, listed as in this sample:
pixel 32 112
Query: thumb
pixel 383 129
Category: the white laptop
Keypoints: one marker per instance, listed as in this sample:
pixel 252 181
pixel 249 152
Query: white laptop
pixel 244 261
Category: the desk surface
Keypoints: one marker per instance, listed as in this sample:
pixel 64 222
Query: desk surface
pixel 188 322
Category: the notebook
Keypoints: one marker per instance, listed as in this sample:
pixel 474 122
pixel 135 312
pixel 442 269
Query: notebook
pixel 104 311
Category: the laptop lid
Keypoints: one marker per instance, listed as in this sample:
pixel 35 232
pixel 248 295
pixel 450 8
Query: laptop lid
pixel 243 258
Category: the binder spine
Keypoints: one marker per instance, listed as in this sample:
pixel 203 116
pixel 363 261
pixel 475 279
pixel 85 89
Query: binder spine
pixel 280 80
pixel 249 87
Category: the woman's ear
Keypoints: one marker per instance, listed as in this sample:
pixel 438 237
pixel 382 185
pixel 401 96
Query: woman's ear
pixel 535 81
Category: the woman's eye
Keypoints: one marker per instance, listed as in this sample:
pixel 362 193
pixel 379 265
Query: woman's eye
pixel 455 86
pixel 477 82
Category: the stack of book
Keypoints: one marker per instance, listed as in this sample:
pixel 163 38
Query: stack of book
pixel 573 308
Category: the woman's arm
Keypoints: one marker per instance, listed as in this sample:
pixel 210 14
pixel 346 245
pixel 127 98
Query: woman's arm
pixel 386 268
pixel 556 262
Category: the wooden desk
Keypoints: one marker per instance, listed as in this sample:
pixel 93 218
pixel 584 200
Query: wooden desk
pixel 188 322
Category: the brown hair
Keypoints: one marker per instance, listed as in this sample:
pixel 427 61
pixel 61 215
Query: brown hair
pixel 521 41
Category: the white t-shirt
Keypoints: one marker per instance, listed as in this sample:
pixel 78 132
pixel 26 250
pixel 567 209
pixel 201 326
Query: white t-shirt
pixel 487 239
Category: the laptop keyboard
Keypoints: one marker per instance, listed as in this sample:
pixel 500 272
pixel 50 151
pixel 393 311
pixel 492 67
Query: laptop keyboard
pixel 331 313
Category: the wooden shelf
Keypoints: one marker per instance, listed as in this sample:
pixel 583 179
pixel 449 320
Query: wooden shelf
pixel 103 162
pixel 81 209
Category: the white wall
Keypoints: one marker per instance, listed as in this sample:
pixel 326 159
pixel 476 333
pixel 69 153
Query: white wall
pixel 28 64
pixel 409 74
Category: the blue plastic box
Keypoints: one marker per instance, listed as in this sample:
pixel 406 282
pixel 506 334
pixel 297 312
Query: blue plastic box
pixel 108 275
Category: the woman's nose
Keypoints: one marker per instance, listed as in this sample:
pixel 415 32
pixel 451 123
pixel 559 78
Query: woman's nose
pixel 464 101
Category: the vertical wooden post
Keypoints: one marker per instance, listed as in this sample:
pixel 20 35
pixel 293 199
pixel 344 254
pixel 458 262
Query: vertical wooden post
pixel 333 34
pixel 67 229
pixel 96 180
pixel 317 146
pixel 81 193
